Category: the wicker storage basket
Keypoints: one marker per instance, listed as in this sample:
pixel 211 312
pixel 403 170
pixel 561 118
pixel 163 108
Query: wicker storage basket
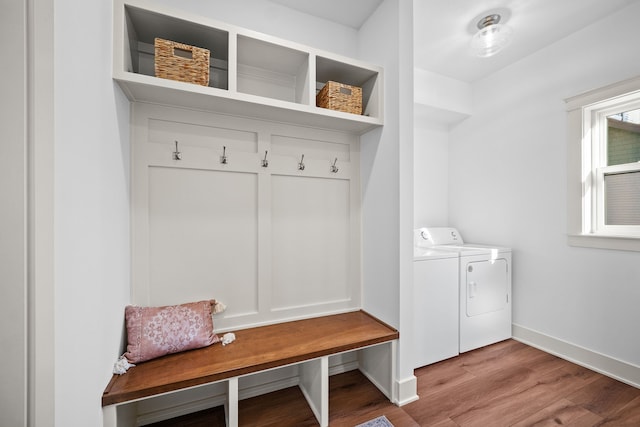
pixel 193 69
pixel 340 97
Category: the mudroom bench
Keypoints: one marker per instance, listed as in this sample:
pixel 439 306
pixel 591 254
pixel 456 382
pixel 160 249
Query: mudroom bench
pixel 307 343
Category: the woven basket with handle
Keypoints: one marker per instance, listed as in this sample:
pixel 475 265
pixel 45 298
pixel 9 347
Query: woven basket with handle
pixel 340 97
pixel 181 62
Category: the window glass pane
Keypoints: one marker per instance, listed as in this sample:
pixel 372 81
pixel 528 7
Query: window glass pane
pixel 622 198
pixel 623 138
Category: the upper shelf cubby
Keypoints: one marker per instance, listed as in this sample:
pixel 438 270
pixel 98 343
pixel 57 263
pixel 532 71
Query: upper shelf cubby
pixel 366 78
pixel 250 74
pixel 273 71
pixel 143 26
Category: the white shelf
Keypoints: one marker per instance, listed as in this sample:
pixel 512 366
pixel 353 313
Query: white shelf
pixel 251 75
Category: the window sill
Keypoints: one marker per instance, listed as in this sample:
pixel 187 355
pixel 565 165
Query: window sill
pixel 620 243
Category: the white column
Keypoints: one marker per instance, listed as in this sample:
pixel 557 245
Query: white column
pixel 231 407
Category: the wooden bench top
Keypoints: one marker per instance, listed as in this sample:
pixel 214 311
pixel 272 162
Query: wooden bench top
pixel 255 349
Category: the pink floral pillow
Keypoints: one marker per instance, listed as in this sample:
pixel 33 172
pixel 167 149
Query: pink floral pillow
pixel 156 331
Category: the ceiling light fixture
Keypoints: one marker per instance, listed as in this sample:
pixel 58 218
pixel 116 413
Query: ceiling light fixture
pixel 491 38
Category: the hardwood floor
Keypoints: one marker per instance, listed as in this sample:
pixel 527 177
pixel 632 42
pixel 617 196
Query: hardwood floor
pixel 511 384
pixel 505 384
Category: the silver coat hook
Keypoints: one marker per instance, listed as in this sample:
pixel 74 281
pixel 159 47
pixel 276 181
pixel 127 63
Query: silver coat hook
pixel 334 168
pixel 223 158
pixel 177 155
pixel 301 164
pixel 265 162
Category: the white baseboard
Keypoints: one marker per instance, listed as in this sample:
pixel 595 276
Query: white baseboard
pixel 407 390
pixel 601 363
pixel 341 369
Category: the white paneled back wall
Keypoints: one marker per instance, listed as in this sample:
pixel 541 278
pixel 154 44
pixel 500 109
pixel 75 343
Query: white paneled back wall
pixel 272 242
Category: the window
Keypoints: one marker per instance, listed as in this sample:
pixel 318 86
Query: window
pixel 615 147
pixel 604 167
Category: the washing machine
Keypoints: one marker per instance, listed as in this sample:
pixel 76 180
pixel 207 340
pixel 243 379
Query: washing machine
pixel 435 311
pixel 484 275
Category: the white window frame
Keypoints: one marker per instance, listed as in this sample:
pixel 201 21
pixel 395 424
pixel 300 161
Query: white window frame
pixel 586 167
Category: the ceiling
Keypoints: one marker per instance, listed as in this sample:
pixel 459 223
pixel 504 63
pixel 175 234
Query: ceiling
pixel 352 13
pixel 443 28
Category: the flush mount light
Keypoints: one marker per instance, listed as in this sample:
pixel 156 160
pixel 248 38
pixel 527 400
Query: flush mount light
pixel 491 37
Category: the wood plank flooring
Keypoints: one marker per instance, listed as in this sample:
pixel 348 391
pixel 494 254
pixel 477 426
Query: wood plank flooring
pixel 505 384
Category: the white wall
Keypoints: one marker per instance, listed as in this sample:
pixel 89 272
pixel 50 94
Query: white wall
pixel 387 183
pixel 13 217
pixel 508 187
pixel 431 173
pixel 274 19
pixel 407 382
pixel 380 180
pixel 445 99
pixel 440 103
pixel 91 210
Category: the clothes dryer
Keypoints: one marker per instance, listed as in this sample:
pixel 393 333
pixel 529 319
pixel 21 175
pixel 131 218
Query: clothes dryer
pixel 484 287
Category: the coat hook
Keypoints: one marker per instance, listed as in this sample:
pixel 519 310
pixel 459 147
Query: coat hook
pixel 334 168
pixel 265 162
pixel 223 158
pixel 177 155
pixel 301 164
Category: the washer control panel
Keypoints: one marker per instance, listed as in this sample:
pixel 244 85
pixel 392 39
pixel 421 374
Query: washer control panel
pixel 432 236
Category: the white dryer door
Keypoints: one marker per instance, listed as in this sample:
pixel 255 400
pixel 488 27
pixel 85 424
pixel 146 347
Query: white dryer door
pixel 487 286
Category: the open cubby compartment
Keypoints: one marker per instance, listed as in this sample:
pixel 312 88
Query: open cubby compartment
pixel 143 26
pixel 272 71
pixel 370 80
